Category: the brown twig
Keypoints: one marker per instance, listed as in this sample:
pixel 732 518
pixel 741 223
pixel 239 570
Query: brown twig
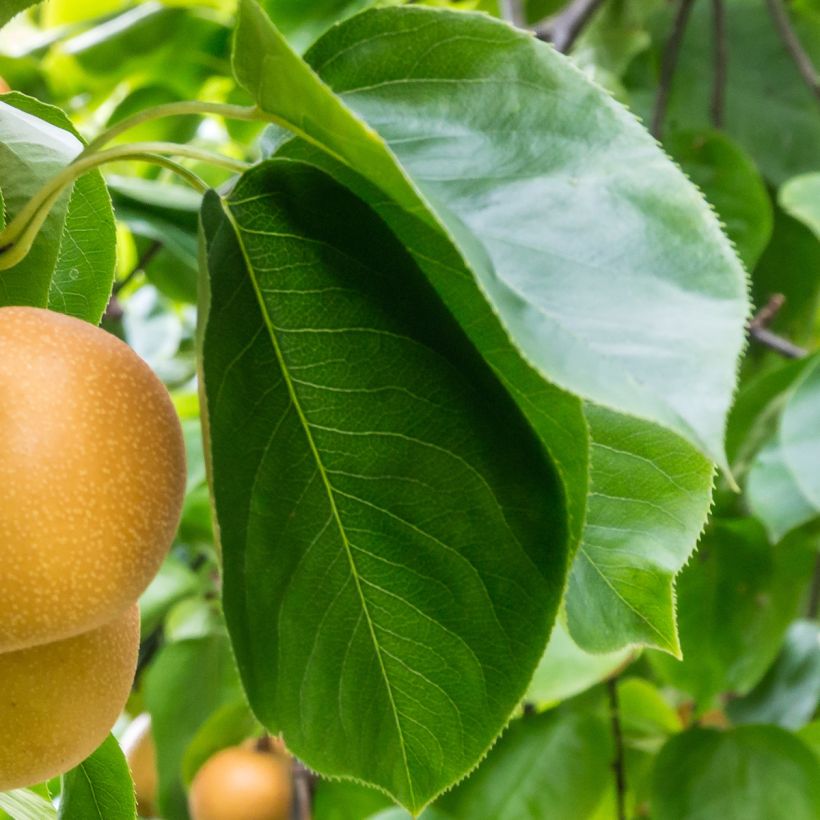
pixel 800 56
pixel 142 263
pixel 719 50
pixel 513 12
pixel 759 329
pixel 303 785
pixel 618 768
pixel 564 29
pixel 671 52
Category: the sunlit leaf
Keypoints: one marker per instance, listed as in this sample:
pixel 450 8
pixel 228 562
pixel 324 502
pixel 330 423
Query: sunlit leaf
pixel 525 203
pixel 100 788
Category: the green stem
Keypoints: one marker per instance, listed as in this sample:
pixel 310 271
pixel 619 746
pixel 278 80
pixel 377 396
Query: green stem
pixel 19 235
pixel 234 112
pixel 141 151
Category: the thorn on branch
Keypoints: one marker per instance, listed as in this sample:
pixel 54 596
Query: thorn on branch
pixel 671 52
pixel 759 329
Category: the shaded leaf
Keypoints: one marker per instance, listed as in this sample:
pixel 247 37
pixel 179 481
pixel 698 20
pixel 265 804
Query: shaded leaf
pixel 649 498
pixel 769 110
pixel 736 599
pixel 186 683
pixel 783 488
pixel 790 691
pixel 554 765
pixel 386 565
pixel 100 788
pixel 753 772
pixel 525 204
pixel 732 185
pixel 565 669
pixel 345 800
pixel 800 198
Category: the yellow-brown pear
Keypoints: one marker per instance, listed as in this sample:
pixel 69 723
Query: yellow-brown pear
pixel 92 474
pixel 58 701
pixel 242 784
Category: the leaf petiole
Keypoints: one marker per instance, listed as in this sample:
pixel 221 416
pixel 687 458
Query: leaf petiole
pixel 19 234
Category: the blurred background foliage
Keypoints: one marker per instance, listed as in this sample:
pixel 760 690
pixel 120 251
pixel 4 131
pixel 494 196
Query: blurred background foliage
pixel 729 731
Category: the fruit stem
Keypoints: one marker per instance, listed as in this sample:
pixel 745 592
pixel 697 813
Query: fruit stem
pixel 233 112
pixel 16 239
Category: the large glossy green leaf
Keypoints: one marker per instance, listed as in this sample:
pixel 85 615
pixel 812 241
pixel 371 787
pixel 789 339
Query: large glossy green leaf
pixel 736 599
pixel 302 23
pixel 649 498
pixel 84 272
pixel 790 691
pixel 100 788
pixel 577 230
pixel 553 765
pixel 185 684
pixel 390 572
pixel 769 109
pixel 753 772
pixel 731 183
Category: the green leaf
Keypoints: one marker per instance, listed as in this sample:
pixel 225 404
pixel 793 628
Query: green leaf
pixel 302 23
pixel 565 670
pixel 31 152
pixel 736 599
pixel 186 683
pixel 799 433
pixel 756 412
pixel 24 804
pixel 524 203
pixel 346 800
pixel 386 565
pixel 82 275
pixel 731 183
pixel 790 691
pixel 774 496
pixel 228 726
pixel 800 198
pixel 769 109
pixel 554 765
pixel 791 265
pixel 753 772
pixel 647 719
pixel 649 498
pixel 10 8
pixel 174 581
pixel 782 488
pixel 100 788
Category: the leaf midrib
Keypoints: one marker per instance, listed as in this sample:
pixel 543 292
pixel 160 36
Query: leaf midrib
pixel 326 483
